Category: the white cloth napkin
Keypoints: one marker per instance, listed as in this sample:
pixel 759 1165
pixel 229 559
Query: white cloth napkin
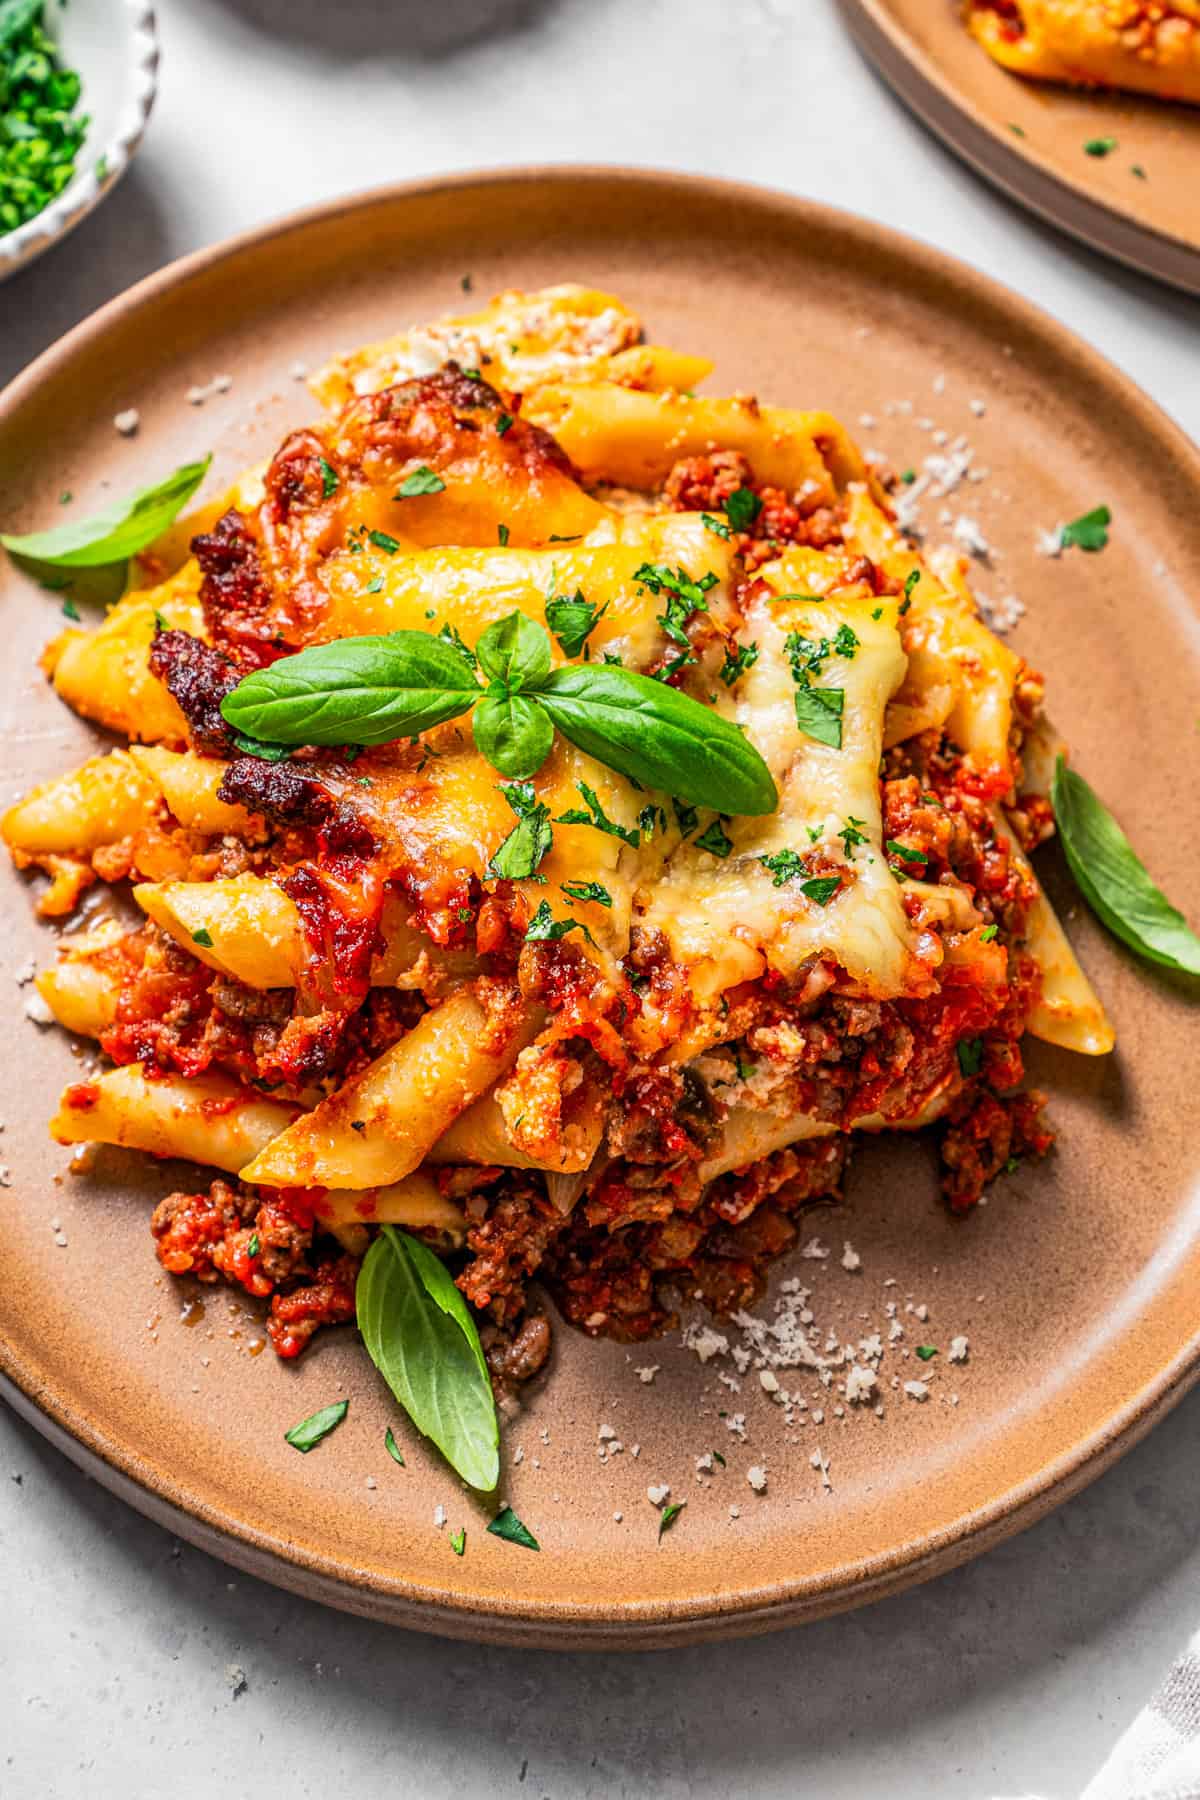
pixel 1159 1756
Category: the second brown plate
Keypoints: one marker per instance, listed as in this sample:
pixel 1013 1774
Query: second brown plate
pixel 1029 138
pixel 1076 1286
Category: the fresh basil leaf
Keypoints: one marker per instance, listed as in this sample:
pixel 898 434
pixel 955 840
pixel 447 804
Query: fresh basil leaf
pixel 1089 532
pixel 309 1432
pixel 516 651
pixel 587 890
pixel 660 737
pixel 362 690
pixel 819 714
pixel 544 928
pixel 450 634
pixel 573 620
pixel 513 733
pixel 421 481
pixel 249 746
pixel 969 1052
pixel 117 533
pixel 1113 879
pixel 393 1448
pixel 598 818
pixel 527 843
pixel 422 1339
pixel 715 840
pixel 821 888
pixel 507 1525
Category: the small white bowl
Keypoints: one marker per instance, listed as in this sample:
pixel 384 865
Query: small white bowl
pixel 113 45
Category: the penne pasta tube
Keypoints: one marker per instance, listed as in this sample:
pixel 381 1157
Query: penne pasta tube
pixel 82 996
pixel 105 674
pixel 206 1119
pixel 1069 1012
pixel 247 927
pixel 188 783
pixel 417 1203
pixel 481 1136
pixel 620 435
pixel 106 799
pixel 750 1135
pixel 382 1123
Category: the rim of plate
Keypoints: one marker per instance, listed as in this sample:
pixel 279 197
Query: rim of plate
pixel 149 1486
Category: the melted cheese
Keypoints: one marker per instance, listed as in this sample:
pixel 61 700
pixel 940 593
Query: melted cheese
pixel 1099 43
pixel 726 918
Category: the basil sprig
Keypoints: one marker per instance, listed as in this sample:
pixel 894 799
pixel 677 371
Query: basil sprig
pixel 422 1339
pixel 369 690
pixel 117 533
pixel 1114 880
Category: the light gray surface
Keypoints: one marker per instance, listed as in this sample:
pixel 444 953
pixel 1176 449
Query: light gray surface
pixel 1015 1674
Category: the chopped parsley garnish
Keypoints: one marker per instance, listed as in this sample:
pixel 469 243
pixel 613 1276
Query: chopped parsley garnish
pixel 518 856
pixel 70 611
pixel 714 840
pixel 597 817
pixel 41 135
pixel 203 937
pixel 970 1055
pixel 503 424
pixel 587 890
pixel 573 619
pixel 908 476
pixel 421 481
pixel 819 713
pixel 359 1125
pixel 392 1447
pixel 844 641
pixel 252 1248
pixel 507 1525
pixel 910 583
pixel 852 833
pixel 926 1352
pixel 1089 531
pixel 374 586
pixel 382 541
pixel 1137 169
pixel 718 526
pixel 651 819
pixel 742 508
pixel 718 1458
pixel 557 537
pixel 737 661
pixel 821 888
pixel 1017 130
pixel 502 534
pixel 784 865
pixel 686 817
pixel 988 933
pixel 684 597
pixel 906 853
pixel 309 1432
pixel 668 1516
pixel 544 928
pixel 329 478
pixel 1101 146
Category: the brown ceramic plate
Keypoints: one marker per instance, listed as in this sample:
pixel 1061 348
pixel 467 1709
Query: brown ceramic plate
pixel 1076 1285
pixel 1028 137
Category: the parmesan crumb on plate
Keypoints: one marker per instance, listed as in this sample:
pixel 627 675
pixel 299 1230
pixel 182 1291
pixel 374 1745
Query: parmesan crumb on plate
pixel 128 421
